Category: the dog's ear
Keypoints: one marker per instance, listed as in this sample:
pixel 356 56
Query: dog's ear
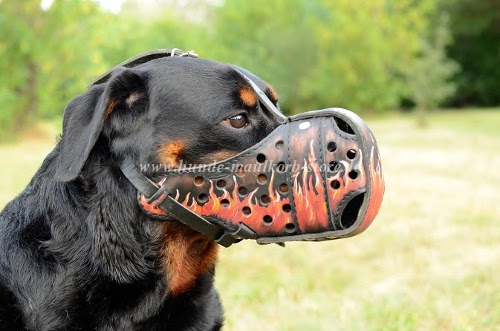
pixel 85 115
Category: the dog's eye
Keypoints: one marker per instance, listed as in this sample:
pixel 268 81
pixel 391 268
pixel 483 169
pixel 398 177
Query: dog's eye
pixel 238 121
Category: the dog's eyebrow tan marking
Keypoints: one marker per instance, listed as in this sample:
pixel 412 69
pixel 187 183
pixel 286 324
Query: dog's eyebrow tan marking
pixel 247 95
pixel 271 93
pixel 170 153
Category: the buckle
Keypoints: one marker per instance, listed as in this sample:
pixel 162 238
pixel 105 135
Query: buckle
pixel 176 51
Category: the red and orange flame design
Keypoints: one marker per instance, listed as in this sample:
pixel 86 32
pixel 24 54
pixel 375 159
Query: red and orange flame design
pixel 309 197
pixel 233 210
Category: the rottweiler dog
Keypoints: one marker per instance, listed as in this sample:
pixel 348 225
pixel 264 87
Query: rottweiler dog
pixel 77 252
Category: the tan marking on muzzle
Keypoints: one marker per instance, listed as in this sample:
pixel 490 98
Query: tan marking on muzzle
pixel 170 153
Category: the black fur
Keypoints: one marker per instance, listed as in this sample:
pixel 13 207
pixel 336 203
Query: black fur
pixel 76 251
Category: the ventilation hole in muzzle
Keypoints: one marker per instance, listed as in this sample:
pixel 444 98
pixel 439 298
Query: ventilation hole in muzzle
pixel 351 211
pixel 335 184
pixel 198 180
pixel 284 188
pixel 240 171
pixel 224 203
pixel 261 158
pixel 242 191
pixel 267 220
pixel 281 167
pixel 353 174
pixel 343 125
pixel 351 154
pixel 334 166
pixel 265 200
pixel 287 208
pixel 332 146
pixel 290 227
pixel 246 210
pixel 202 198
pixel 262 179
pixel 221 183
pixel 279 145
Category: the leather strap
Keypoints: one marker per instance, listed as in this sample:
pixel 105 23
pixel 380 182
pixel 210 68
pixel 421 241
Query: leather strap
pixel 223 236
pixel 143 58
pixel 280 117
pixel 142 183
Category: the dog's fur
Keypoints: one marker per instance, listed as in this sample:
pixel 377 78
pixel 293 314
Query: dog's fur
pixel 77 253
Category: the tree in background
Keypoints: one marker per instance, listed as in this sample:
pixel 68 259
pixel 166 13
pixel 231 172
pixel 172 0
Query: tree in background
pixel 475 27
pixel 429 76
pixel 364 50
pixel 47 56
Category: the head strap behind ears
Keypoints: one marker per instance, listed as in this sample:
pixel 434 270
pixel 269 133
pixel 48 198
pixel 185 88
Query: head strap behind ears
pixel 143 58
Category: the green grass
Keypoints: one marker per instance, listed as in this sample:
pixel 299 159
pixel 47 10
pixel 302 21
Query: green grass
pixel 430 261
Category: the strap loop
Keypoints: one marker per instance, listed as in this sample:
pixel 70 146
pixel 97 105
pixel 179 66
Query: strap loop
pixel 228 238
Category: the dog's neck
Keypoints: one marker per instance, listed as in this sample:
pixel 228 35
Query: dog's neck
pixel 125 243
pixel 186 256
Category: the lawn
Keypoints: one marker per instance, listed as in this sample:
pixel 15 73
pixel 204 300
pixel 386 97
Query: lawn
pixel 430 261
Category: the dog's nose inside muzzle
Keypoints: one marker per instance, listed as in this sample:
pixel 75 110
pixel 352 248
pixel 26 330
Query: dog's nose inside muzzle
pixel 317 176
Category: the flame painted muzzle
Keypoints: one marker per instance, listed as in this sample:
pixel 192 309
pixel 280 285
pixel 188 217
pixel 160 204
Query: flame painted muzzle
pixel 317 176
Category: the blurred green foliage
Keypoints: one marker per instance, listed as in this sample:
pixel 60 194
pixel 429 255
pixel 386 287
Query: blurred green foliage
pixel 46 57
pixel 475 26
pixel 364 56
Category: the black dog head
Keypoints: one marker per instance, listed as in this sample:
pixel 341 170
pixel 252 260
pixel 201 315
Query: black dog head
pixel 165 111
